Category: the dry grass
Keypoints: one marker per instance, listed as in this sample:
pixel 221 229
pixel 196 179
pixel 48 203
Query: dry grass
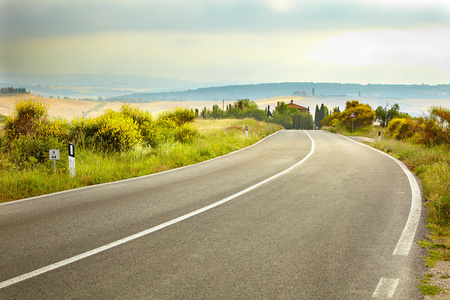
pixel 58 108
pixel 68 109
pixel 204 126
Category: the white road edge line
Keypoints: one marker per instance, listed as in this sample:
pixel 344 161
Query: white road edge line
pixel 150 230
pixel 407 238
pixel 385 288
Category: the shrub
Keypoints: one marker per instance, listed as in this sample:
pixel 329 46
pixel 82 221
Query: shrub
pixel 364 115
pixel 2 142
pixel 58 128
pixel 139 116
pixel 330 120
pixel 234 113
pixel 116 131
pixel 284 120
pixel 82 130
pixel 401 129
pixel 434 128
pixel 27 150
pixel 178 115
pixel 28 115
pixel 257 114
pixel 186 134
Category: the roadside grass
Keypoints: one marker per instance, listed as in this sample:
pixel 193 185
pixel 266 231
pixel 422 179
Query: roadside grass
pixel 427 289
pixel 216 138
pixel 368 131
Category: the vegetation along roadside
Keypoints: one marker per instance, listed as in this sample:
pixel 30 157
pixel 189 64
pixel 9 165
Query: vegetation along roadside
pixel 113 146
pixel 424 145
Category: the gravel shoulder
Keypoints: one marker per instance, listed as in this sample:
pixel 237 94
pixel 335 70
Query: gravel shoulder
pixel 440 278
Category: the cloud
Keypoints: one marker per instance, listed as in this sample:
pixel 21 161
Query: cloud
pixel 422 47
pixel 257 40
pixel 61 18
pixel 412 3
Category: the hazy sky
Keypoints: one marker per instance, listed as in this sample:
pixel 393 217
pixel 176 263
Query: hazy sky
pixel 357 41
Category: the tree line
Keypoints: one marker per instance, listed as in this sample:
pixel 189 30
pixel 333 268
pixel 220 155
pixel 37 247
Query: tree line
pixel 289 118
pixel 12 90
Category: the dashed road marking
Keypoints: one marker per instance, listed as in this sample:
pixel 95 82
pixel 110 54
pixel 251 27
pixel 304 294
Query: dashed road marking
pixel 386 288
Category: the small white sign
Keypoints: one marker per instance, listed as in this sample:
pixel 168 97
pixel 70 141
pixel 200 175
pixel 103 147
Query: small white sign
pixel 54 154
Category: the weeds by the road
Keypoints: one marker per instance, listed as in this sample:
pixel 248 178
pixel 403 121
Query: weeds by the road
pixel 427 289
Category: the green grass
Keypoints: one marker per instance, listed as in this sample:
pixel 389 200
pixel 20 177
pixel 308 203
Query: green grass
pixel 427 289
pixel 368 131
pixel 430 290
pixel 216 138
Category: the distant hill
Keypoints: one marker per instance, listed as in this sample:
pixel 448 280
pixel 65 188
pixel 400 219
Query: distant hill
pixel 79 86
pixel 265 90
pixel 142 89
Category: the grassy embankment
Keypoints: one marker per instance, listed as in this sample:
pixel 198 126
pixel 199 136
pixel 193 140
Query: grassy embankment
pixel 432 165
pixel 216 137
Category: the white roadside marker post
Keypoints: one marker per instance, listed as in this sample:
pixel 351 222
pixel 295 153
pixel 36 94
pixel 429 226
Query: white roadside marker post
pixel 71 149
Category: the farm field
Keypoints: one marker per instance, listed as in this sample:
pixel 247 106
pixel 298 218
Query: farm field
pixel 68 109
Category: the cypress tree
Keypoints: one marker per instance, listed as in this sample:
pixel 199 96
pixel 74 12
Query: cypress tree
pixel 316 116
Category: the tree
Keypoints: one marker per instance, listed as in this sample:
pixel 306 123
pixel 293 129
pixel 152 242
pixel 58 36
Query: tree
pixel 216 113
pixel 302 120
pixel 386 114
pixel 316 117
pixel 364 115
pixel 331 119
pixel 320 115
pixel 282 108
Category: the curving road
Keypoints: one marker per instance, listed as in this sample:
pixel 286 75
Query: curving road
pixel 300 215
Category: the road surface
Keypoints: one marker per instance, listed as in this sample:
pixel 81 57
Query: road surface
pixel 300 215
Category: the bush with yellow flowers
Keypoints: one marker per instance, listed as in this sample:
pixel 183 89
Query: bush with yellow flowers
pixel 117 131
pixel 28 115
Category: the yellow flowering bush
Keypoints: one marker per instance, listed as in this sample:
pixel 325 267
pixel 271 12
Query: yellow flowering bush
pixel 28 115
pixel 186 134
pixel 82 130
pixel 139 116
pixel 117 132
pixel 400 128
pixel 178 115
pixel 58 128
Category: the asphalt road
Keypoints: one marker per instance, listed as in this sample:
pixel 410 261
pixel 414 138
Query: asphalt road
pixel 300 215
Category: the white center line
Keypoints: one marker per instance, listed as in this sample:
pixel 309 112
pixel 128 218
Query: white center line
pixel 150 230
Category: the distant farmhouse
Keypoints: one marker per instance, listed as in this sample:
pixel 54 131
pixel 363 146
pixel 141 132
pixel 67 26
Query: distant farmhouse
pixel 298 107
